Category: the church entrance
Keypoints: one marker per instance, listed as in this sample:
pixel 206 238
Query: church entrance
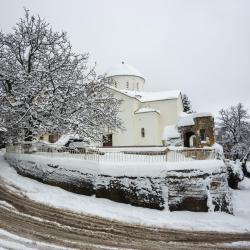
pixel 107 140
pixel 189 139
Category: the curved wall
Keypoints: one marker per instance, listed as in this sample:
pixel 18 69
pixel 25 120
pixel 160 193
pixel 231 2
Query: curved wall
pixel 134 83
pixel 159 186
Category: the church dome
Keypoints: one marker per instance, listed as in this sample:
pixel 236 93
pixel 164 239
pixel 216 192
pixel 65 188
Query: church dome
pixel 123 69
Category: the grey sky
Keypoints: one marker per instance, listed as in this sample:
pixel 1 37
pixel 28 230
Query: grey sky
pixel 201 47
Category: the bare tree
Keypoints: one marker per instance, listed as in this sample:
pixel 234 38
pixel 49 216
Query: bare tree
pixel 45 87
pixel 234 131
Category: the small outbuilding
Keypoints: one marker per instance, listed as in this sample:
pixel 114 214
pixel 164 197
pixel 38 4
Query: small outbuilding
pixel 191 130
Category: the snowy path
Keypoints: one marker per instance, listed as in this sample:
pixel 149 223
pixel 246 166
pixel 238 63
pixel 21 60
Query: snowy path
pixel 11 241
pixel 38 220
pixel 32 220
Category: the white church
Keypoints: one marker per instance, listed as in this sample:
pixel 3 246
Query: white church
pixel 145 115
pixel 150 118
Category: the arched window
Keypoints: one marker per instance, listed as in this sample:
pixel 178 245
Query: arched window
pixel 142 132
pixel 127 85
pixel 203 134
pixel 51 138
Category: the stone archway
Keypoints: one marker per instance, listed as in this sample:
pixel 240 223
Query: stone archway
pixel 192 141
pixel 189 139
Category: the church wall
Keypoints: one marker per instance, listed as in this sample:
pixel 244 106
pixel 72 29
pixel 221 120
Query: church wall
pixel 45 137
pixel 179 104
pixel 128 106
pixel 150 122
pixel 153 123
pixel 169 111
pixel 134 82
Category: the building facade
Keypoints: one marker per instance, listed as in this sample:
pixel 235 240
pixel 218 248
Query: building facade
pixel 144 114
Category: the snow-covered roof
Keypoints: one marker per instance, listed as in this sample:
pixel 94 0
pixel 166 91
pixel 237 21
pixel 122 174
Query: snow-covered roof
pixel 123 69
pixel 65 138
pixel 202 114
pixel 188 119
pixel 170 132
pixel 185 119
pixel 151 96
pixel 157 96
pixel 146 110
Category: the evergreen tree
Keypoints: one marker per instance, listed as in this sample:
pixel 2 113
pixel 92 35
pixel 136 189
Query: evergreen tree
pixel 187 107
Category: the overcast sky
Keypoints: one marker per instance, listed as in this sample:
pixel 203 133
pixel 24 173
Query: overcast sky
pixel 201 47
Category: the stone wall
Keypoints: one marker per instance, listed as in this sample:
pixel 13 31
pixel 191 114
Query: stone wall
pixel 198 190
pixel 206 123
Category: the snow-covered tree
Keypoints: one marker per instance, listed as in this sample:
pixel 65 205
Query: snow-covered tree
pixel 187 107
pixel 245 166
pixel 234 131
pixel 45 87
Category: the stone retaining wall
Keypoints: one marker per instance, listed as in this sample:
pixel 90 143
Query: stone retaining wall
pixel 172 189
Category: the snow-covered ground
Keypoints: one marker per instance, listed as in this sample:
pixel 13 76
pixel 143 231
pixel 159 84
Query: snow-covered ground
pixel 12 241
pixel 117 211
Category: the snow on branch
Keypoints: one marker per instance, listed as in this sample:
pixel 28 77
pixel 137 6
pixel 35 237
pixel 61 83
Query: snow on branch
pixel 45 87
pixel 234 131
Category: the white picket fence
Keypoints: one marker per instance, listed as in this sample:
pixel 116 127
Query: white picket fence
pixel 100 155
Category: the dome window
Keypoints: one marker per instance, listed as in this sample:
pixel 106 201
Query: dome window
pixel 142 132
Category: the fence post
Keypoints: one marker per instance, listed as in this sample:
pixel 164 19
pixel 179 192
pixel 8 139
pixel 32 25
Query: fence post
pixel 166 154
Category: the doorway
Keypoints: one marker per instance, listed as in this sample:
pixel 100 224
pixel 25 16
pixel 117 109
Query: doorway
pixel 189 139
pixel 107 140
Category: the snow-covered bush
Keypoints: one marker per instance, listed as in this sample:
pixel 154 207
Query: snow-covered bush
pixel 246 169
pixel 218 149
pixel 246 164
pixel 171 136
pixel 175 142
pixel 235 173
